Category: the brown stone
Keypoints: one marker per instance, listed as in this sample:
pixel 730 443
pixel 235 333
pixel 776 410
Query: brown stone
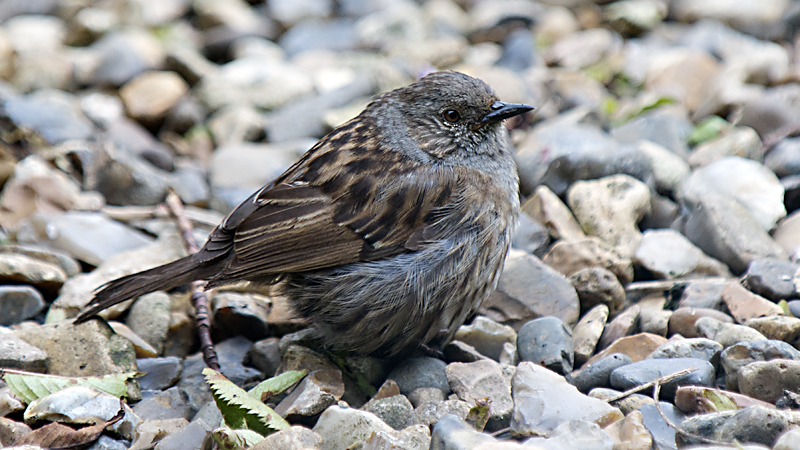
pixel 745 305
pixel 637 347
pixel 570 257
pixel 622 325
pixel 683 320
pixel 545 206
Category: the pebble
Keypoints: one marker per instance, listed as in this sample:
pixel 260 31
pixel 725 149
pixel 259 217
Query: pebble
pixel 767 380
pixel 265 356
pixel 546 341
pixel 16 353
pixel 396 411
pixel 636 347
pixel 725 333
pixel 162 405
pixel 560 154
pixel 149 318
pixel 318 390
pixel 543 400
pixel 703 294
pixel 668 127
pixel 684 320
pixel 570 257
pixel 754 424
pixel 421 372
pixel 341 427
pixel 290 438
pixel 740 141
pixel 771 278
pixel 741 354
pixel 780 328
pixel 431 413
pixel 610 208
pixel 587 332
pixel 725 230
pixel 668 254
pixel 745 305
pixel 622 325
pixel 697 348
pixel 596 285
pixel 19 303
pixel 149 96
pixel 415 437
pixel 21 269
pixel 596 374
pixel 88 349
pixel 159 373
pixel 642 372
pixel 529 288
pixel 486 336
pixel 545 207
pixel 484 379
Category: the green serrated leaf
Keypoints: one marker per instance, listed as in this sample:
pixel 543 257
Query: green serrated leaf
pixel 239 409
pixel 709 128
pixel 230 439
pixel 277 384
pixel 28 386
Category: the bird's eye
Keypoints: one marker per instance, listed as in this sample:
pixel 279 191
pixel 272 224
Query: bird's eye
pixel 451 115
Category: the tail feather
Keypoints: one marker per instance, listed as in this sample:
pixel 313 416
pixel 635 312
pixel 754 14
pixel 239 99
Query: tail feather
pixel 168 276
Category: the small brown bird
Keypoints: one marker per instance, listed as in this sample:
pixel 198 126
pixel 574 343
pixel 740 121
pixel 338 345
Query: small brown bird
pixel 392 228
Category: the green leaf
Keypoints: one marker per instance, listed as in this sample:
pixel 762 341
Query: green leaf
pixel 709 128
pixel 229 439
pixel 28 386
pixel 479 414
pixel 785 307
pixel 277 384
pixel 240 409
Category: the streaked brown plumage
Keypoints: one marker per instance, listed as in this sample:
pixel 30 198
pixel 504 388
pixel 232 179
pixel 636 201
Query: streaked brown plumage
pixel 391 228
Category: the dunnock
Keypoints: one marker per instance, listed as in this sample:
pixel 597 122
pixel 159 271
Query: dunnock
pixel 388 233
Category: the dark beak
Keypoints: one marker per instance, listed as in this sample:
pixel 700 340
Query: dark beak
pixel 503 110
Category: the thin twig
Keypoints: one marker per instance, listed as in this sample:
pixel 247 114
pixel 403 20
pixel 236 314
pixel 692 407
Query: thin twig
pixel 680 430
pixel 199 298
pixel 664 379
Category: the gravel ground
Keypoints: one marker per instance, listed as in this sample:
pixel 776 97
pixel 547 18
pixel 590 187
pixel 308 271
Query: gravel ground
pixel 660 183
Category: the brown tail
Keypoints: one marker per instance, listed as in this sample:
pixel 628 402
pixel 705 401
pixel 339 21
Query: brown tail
pixel 168 276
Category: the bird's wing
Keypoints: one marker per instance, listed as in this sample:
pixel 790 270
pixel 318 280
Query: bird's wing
pixel 341 203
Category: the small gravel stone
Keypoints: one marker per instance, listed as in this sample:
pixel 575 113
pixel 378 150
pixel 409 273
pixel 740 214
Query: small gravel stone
pixel 422 372
pixel 596 285
pixel 395 411
pixel 766 380
pixel 684 320
pixel 317 391
pixel 741 354
pixel 587 333
pixel 771 278
pixel 745 305
pixel 342 427
pixel 486 336
pixel 641 372
pixel 265 356
pixel 169 404
pixel 529 288
pixel 596 374
pixel 18 303
pixel 698 348
pixel 622 325
pixel 484 379
pixel 160 373
pixel 547 342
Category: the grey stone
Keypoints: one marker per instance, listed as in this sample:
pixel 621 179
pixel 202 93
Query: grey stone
pixel 755 424
pixel 486 336
pixel 547 342
pixel 771 278
pixel 744 353
pixel 149 318
pixel 647 370
pixel 18 303
pixel 725 230
pixel 15 353
pixel 528 289
pixel 160 373
pixel 264 356
pixel 318 390
pixel 420 372
pixel 484 379
pixel 597 285
pixel 698 348
pixel 292 438
pixel 668 254
pixel 169 404
pixel 54 114
pixel 587 332
pixel 597 373
pixel 396 411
